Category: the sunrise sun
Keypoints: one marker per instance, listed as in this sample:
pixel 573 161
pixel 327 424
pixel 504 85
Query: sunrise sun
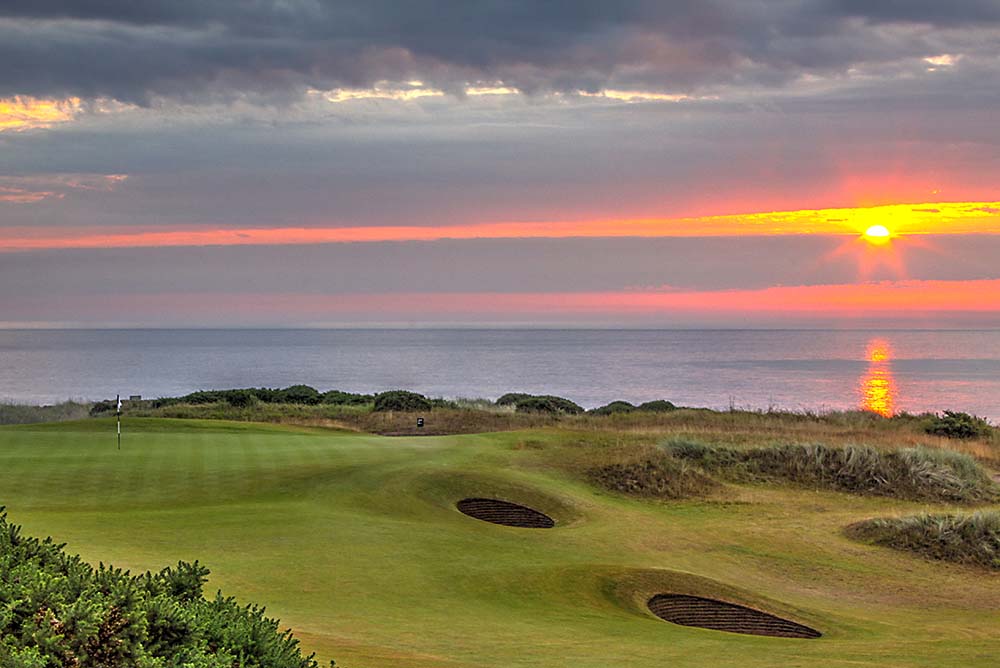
pixel 877 234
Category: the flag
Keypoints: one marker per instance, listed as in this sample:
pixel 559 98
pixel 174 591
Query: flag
pixel 119 409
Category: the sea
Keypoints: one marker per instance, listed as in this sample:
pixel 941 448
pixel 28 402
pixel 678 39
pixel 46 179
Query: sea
pixel 886 371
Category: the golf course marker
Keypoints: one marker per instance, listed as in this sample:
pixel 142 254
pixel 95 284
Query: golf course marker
pixel 708 613
pixel 505 513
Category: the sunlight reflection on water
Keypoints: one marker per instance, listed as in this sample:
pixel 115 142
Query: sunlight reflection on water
pixel 878 386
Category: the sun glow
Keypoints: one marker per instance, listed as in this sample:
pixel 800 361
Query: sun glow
pixel 878 234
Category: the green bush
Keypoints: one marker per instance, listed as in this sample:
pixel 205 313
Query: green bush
pixel 103 407
pixel 548 404
pixel 338 398
pixel 953 424
pixel 614 407
pixel 511 398
pixel 300 394
pixel 401 400
pixel 240 398
pixel 656 406
pixel 968 539
pixel 58 611
pixel 539 403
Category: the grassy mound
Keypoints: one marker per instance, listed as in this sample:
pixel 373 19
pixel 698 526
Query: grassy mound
pixel 912 473
pixel 59 611
pixel 965 539
pixel 658 476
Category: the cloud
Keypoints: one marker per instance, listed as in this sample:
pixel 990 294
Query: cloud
pixel 139 52
pixel 36 188
pixel 27 113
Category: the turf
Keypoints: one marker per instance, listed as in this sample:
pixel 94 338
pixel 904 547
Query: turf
pixel 355 542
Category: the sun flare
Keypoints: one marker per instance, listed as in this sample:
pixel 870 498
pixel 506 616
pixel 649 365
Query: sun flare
pixel 877 234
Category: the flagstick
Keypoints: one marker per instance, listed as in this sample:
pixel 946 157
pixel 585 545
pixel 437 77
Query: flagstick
pixel 119 414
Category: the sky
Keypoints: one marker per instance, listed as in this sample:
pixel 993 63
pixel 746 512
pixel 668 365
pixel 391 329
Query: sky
pixel 639 163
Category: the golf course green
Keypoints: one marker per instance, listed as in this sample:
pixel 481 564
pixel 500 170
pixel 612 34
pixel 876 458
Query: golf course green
pixel 354 541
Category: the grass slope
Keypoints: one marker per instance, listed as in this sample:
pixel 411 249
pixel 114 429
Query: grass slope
pixel 354 541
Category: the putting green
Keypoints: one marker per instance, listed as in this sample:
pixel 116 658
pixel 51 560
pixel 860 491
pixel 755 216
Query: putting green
pixel 355 542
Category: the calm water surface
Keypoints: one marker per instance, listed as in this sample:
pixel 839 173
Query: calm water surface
pixel 816 370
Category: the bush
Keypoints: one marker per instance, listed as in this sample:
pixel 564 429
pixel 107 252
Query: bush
pixel 548 404
pixel 240 398
pixel 60 611
pixel 512 398
pixel 539 403
pixel 338 398
pixel 401 400
pixel 102 407
pixel 968 539
pixel 614 407
pixel 300 394
pixel 656 406
pixel 958 425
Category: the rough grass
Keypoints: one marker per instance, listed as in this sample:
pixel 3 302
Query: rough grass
pixel 654 474
pixel 22 414
pixel 966 539
pixel 911 473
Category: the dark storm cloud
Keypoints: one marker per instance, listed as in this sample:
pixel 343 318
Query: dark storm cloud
pixel 137 51
pixel 933 12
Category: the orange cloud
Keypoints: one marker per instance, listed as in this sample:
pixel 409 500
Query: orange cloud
pixel 25 113
pixel 900 219
pixel 31 189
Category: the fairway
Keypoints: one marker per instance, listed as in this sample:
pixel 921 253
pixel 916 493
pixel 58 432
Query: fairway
pixel 355 542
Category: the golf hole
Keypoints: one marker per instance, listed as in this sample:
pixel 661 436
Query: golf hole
pixel 505 513
pixel 708 613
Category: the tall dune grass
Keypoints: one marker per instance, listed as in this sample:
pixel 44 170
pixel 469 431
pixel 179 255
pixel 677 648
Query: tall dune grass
pixel 910 473
pixel 967 539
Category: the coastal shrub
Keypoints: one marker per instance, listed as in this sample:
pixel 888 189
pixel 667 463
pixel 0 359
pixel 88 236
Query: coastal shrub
pixel 103 407
pixel 338 398
pixel 913 473
pixel 656 406
pixel 300 394
pixel 614 407
pixel 954 424
pixel 966 539
pixel 547 404
pixel 57 611
pixel 660 476
pixel 401 400
pixel 511 398
pixel 240 398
